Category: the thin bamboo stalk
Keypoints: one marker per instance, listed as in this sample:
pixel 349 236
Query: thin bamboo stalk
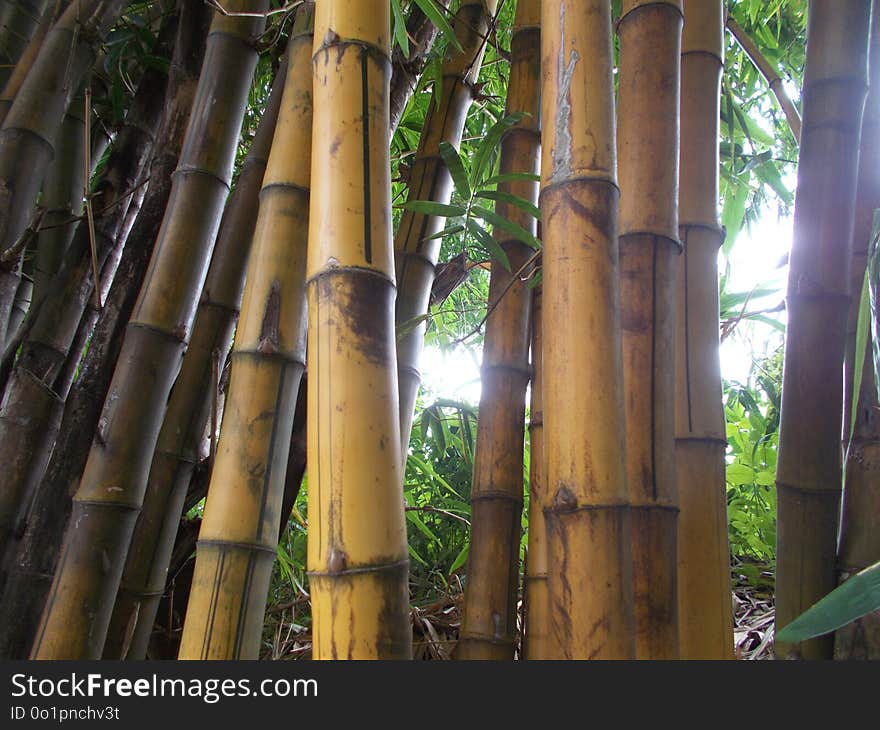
pixel 488 629
pixel 859 542
pixel 704 596
pixel 647 150
pixel 110 494
pixel 357 552
pixel 808 476
pixel 190 406
pixel 588 517
pixel 27 138
pixel 771 76
pixel 415 255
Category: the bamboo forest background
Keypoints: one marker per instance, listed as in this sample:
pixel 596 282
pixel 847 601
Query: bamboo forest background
pixel 759 130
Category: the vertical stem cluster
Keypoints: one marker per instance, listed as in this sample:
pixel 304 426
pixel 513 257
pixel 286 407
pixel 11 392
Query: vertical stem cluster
pixel 357 551
pixel 647 150
pixel 808 476
pixel 489 623
pixel 239 533
pixel 415 255
pixel 859 544
pixel 704 598
pixel 588 514
pixel 110 494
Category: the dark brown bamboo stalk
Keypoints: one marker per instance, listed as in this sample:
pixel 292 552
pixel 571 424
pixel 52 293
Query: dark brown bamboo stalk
pixel 415 255
pixel 189 408
pixel 808 476
pixel 33 563
pixel 647 151
pixel 27 138
pixel 109 498
pixel 859 542
pixel 704 596
pixel 488 629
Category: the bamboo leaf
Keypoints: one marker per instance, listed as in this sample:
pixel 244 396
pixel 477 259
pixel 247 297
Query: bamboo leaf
pixel 435 15
pixel 400 34
pixel 451 231
pixel 456 169
pixel 489 146
pixel 512 177
pixel 461 559
pixel 515 200
pixel 518 232
pixel 489 243
pixel 429 207
pixel 850 600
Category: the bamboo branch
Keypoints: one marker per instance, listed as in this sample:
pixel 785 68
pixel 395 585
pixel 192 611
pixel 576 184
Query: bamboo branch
pixel 770 75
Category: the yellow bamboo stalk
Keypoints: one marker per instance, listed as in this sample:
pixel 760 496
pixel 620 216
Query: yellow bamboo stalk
pixel 239 532
pixel 704 597
pixel 647 150
pixel 357 552
pixel 768 71
pixel 488 628
pixel 588 516
pixel 19 20
pixel 415 256
pixel 808 476
pixel 106 505
pixel 26 61
pixel 859 543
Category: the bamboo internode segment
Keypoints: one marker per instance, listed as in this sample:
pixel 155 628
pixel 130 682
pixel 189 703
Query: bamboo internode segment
pixel 416 256
pixel 26 60
pixel 19 21
pixel 357 552
pixel 588 517
pixel 27 138
pixel 809 464
pixel 768 71
pixel 488 628
pixel 704 598
pixel 859 543
pixel 110 494
pixel 239 533
pixel 648 129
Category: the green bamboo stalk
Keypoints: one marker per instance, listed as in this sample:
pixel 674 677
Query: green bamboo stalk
pixel 190 405
pixel 110 495
pixel 808 476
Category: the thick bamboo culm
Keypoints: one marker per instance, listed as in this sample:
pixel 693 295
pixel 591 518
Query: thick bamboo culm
pixel 705 608
pixel 40 367
pixel 239 533
pixel 588 516
pixel 416 256
pixel 357 550
pixel 110 494
pixel 808 475
pixel 536 598
pixel 771 76
pixel 647 153
pixel 859 542
pixel 488 629
pixel 191 403
pixel 36 553
pixel 27 138
pixel 19 21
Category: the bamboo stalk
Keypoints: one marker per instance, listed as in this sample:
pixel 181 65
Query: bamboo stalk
pixel 704 596
pixel 808 476
pixel 357 552
pixel 19 20
pixel 488 628
pixel 191 404
pixel 588 517
pixel 416 256
pixel 647 150
pixel 859 542
pixel 110 494
pixel 768 71
pixel 27 138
